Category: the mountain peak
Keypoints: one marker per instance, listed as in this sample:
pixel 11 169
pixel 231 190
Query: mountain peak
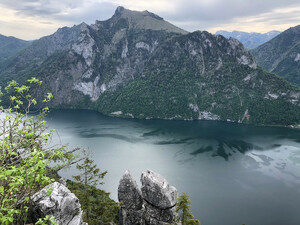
pixel 119 10
pixel 127 13
pixel 144 20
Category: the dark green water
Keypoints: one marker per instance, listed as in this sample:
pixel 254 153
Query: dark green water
pixel 233 173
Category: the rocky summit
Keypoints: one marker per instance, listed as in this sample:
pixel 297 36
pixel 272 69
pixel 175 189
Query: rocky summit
pixel 153 204
pixel 137 65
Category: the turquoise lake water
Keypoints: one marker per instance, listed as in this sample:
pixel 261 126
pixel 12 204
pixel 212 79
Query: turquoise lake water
pixel 233 173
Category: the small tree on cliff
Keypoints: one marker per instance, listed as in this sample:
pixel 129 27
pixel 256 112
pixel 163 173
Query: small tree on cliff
pixel 184 210
pixel 94 202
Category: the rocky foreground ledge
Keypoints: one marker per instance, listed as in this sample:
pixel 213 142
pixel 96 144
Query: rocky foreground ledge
pixel 58 201
pixel 154 204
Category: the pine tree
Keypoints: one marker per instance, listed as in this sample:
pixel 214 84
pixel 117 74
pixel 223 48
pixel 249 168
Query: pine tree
pixel 96 204
pixel 91 175
pixel 183 206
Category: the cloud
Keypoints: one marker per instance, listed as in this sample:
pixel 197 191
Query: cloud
pixel 217 10
pixel 247 15
pixel 40 7
pixel 278 19
pixel 75 11
pixel 88 13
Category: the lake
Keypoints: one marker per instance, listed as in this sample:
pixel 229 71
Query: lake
pixel 233 173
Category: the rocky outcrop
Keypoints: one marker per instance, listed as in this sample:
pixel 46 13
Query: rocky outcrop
pixel 132 202
pixel 160 198
pixel 58 201
pixel 154 204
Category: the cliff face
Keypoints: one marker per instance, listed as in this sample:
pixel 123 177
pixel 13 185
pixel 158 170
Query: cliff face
pixel 153 204
pixel 89 60
pixel 201 76
pixel 138 65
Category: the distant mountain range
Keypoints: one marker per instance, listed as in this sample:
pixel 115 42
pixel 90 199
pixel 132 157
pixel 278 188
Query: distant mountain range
pixel 137 65
pixel 250 40
pixel 281 55
pixel 9 46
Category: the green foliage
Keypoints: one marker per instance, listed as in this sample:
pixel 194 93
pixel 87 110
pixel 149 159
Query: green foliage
pixel 24 155
pixel 96 204
pixel 229 97
pixel 91 175
pixel 102 209
pixel 46 221
pixel 183 208
pixel 173 81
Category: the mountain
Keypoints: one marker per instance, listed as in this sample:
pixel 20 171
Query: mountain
pixel 249 40
pixel 9 46
pixel 281 55
pixel 137 65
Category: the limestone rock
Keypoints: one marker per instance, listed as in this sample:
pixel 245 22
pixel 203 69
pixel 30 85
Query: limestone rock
pixel 62 181
pixel 61 203
pixel 156 216
pixel 154 205
pixel 160 198
pixel 157 191
pixel 130 196
pixel 129 193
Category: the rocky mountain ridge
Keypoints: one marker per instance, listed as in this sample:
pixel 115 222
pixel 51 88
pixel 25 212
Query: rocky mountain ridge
pixel 250 40
pixel 281 55
pixel 137 65
pixel 9 46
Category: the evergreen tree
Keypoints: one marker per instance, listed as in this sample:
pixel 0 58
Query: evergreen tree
pixel 184 210
pixel 97 206
pixel 91 175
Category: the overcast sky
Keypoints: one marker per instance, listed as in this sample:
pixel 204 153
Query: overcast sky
pixel 32 19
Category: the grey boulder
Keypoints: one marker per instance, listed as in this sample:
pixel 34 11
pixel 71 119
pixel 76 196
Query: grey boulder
pixel 157 191
pixel 154 204
pixel 160 199
pixel 59 202
pixel 129 193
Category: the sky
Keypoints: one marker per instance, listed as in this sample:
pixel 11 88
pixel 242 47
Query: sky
pixel 32 19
